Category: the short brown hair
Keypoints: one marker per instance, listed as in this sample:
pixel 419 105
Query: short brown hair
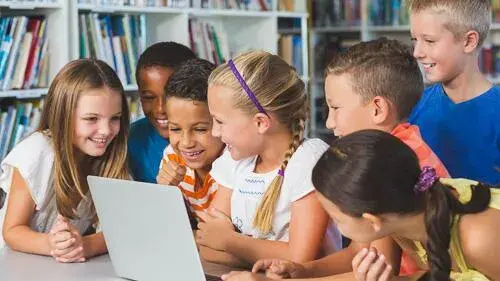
pixel 383 68
pixel 463 15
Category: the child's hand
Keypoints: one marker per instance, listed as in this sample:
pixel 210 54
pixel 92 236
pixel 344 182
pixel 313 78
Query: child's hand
pixel 368 265
pixel 214 229
pixel 171 173
pixel 65 242
pixel 279 269
pixel 242 276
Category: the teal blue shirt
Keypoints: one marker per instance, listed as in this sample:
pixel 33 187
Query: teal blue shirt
pixel 145 151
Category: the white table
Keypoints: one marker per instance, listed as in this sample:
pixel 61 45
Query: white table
pixel 15 266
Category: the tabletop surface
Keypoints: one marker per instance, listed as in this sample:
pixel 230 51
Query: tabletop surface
pixel 15 266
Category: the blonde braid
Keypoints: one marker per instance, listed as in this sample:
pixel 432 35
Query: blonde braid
pixel 264 216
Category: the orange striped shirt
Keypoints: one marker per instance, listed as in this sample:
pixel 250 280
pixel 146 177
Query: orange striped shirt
pixel 199 199
pixel 410 135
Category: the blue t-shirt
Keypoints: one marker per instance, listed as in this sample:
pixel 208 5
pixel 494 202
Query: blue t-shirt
pixel 466 135
pixel 145 148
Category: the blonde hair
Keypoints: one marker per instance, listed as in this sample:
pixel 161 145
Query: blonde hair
pixel 280 91
pixel 57 122
pixel 463 15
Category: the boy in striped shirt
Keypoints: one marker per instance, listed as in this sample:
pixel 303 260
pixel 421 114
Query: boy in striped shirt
pixel 187 161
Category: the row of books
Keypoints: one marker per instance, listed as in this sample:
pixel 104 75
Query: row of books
pixel 207 42
pixel 115 39
pixel 139 3
pixel 21 118
pixel 489 60
pixel 16 122
pixel 336 12
pixel 23 53
pixel 290 49
pixel 388 12
pixel 252 5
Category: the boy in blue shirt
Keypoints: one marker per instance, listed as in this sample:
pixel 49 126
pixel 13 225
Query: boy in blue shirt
pixel 149 136
pixel 458 116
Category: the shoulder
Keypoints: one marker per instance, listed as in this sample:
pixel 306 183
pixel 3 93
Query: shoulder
pixel 32 148
pixel 309 151
pixel 139 129
pixel 478 236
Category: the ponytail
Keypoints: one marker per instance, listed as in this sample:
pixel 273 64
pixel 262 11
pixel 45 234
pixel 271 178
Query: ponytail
pixel 441 206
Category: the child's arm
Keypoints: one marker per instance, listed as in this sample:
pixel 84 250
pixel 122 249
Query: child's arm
pixel 307 228
pixel 222 257
pixel 16 231
pixel 336 263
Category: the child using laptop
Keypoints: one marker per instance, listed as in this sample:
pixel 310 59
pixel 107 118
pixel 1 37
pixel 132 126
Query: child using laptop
pixel 265 205
pixel 373 85
pixel 449 226
pixel 149 136
pixel 188 159
pixel 458 115
pixel 83 131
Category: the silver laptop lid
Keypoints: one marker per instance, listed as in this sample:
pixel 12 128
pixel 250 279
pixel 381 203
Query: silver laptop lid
pixel 146 229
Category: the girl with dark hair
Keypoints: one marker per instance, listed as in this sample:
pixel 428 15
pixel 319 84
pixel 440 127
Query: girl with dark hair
pixel 370 183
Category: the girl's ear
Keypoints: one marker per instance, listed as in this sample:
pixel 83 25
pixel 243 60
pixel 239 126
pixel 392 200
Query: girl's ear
pixel 262 121
pixel 374 220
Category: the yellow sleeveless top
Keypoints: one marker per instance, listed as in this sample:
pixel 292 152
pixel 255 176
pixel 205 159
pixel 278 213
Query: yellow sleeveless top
pixel 463 188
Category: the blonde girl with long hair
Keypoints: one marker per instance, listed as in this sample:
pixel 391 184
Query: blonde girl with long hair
pixel 265 205
pixel 83 131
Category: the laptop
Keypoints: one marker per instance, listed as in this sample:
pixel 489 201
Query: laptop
pixel 147 230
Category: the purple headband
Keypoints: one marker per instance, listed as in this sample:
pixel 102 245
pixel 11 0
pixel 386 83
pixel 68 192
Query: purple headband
pixel 244 85
pixel 427 178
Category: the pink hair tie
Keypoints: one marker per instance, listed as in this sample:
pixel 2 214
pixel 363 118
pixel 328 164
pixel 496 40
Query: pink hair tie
pixel 426 179
pixel 281 172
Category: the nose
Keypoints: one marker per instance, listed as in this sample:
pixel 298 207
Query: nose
pixel 417 50
pixel 330 121
pixel 105 128
pixel 161 106
pixel 187 140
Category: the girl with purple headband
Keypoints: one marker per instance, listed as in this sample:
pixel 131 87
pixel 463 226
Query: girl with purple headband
pixel 370 183
pixel 265 206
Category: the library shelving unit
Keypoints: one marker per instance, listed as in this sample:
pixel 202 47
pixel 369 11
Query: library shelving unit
pixel 362 28
pixel 57 17
pixel 243 30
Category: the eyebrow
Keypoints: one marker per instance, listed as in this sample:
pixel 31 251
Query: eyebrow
pixel 195 124
pixel 97 114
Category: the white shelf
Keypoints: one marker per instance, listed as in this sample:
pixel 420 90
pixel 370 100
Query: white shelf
pixel 229 13
pixel 129 88
pixel 24 94
pixel 337 29
pixel 294 30
pixel 282 14
pixel 495 26
pixel 389 28
pixel 29 6
pixel 128 9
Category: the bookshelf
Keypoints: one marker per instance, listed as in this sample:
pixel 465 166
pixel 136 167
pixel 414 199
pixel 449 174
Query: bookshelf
pixel 243 30
pixel 359 22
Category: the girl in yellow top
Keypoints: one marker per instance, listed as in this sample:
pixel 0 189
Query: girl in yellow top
pixel 370 183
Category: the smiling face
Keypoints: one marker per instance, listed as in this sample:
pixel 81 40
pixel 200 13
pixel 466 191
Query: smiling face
pixel 96 120
pixel 234 127
pixel 190 133
pixel 436 48
pixel 152 82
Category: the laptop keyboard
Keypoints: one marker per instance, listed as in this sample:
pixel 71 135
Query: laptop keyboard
pixel 212 278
